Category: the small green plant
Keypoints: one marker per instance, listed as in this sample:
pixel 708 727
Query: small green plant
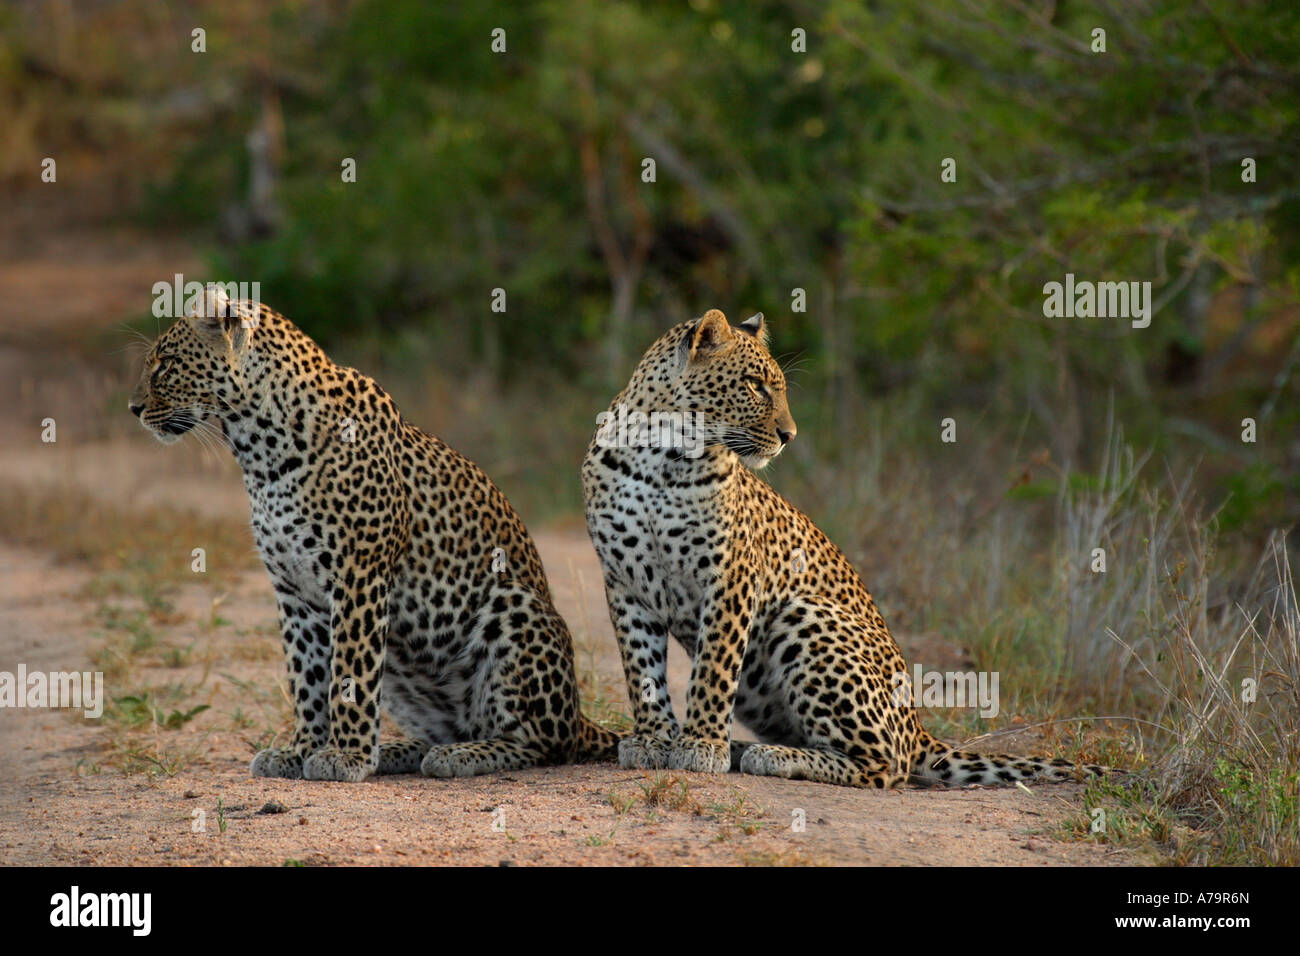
pixel 129 756
pixel 621 802
pixel 1262 794
pixel 135 624
pixel 740 814
pixel 177 657
pixel 137 710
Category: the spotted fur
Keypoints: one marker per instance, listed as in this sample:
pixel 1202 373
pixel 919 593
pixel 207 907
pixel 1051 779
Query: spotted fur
pixel 404 578
pixel 702 549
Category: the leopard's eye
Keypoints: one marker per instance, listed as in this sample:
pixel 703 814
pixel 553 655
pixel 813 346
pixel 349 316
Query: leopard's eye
pixel 758 385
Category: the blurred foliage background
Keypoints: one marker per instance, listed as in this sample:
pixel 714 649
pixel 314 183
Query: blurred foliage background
pixel 776 170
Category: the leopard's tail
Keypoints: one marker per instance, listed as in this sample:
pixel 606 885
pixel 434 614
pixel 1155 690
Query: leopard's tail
pixel 937 764
pixel 595 742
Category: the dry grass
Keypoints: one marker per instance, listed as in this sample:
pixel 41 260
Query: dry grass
pixel 778 858
pixel 1140 666
pixel 660 793
pixel 133 550
pixel 669 792
pixel 1229 767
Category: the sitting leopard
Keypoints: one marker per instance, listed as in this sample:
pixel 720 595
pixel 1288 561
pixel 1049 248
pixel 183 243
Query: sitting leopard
pixel 693 544
pixel 402 574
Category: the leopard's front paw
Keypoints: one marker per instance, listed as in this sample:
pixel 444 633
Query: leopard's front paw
pixel 639 752
pixel 700 755
pixel 449 760
pixel 330 763
pixel 277 762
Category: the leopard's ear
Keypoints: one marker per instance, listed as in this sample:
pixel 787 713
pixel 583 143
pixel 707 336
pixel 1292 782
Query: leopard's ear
pixel 215 313
pixel 757 327
pixel 711 335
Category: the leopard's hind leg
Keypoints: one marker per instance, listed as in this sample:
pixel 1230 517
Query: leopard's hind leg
pixel 834 678
pixel 524 699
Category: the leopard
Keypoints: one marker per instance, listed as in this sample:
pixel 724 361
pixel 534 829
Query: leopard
pixel 406 584
pixel 781 631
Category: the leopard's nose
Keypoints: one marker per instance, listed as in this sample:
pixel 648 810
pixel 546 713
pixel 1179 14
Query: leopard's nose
pixel 135 409
pixel 786 437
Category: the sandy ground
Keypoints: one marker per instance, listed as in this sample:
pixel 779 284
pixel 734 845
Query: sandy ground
pixel 64 797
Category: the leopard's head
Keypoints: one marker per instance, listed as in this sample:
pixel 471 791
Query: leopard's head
pixel 192 371
pixel 731 382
